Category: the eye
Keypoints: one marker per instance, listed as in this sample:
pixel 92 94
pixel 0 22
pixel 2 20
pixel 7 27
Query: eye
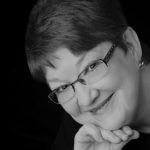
pixel 92 67
pixel 61 89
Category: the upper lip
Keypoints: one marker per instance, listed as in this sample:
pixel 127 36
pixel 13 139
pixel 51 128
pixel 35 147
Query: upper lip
pixel 101 104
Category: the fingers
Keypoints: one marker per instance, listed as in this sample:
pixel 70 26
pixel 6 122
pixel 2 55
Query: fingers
pixel 118 136
pixel 134 135
pixel 90 136
pixel 121 134
pixel 128 130
pixel 125 133
pixel 110 136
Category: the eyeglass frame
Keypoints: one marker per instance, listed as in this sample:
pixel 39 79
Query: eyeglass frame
pixel 105 60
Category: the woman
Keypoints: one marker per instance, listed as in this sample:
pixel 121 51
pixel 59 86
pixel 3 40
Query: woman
pixel 92 61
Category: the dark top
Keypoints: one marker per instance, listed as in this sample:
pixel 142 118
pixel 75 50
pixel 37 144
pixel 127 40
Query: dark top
pixel 65 137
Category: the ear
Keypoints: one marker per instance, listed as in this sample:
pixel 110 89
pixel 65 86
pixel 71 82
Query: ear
pixel 131 39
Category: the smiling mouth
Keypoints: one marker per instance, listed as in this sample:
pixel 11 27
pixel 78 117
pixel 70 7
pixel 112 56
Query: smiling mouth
pixel 104 103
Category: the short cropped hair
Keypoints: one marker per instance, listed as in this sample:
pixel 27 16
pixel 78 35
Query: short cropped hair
pixel 78 25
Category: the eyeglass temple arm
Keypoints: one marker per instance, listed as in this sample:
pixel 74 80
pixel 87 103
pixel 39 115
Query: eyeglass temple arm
pixel 109 54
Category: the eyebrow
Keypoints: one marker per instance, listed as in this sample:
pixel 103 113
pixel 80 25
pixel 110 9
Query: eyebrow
pixel 49 64
pixel 65 81
pixel 57 80
pixel 77 64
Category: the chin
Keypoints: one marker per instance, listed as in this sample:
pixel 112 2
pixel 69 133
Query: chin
pixel 115 122
pixel 113 126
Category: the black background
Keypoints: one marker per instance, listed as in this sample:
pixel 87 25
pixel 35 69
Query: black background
pixel 32 120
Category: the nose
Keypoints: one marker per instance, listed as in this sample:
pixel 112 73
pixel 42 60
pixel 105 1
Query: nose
pixel 86 95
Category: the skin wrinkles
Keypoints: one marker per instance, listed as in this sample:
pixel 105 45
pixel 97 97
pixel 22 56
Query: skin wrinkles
pixel 82 109
pixel 82 63
pixel 122 79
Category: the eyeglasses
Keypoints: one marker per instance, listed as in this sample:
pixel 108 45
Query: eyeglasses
pixel 94 72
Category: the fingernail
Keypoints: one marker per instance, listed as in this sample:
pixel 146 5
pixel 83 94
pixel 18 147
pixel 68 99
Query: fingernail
pixel 117 140
pixel 136 134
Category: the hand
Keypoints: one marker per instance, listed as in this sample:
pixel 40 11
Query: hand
pixel 91 137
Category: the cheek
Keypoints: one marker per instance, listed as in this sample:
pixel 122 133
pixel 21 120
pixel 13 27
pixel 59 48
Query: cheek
pixel 125 108
pixel 129 93
pixel 122 72
pixel 114 78
pixel 126 101
pixel 72 108
pixel 125 85
pixel 128 89
pixel 121 112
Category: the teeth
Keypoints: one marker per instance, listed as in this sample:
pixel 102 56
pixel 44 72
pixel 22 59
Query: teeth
pixel 99 110
pixel 102 106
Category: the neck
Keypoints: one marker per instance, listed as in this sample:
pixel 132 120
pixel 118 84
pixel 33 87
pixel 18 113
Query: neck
pixel 143 112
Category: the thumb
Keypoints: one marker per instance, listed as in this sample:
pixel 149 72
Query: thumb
pixel 87 136
pixel 88 132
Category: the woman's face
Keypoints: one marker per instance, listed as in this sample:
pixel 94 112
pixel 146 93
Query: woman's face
pixel 121 80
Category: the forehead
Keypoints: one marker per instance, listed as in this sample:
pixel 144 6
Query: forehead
pixel 68 63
